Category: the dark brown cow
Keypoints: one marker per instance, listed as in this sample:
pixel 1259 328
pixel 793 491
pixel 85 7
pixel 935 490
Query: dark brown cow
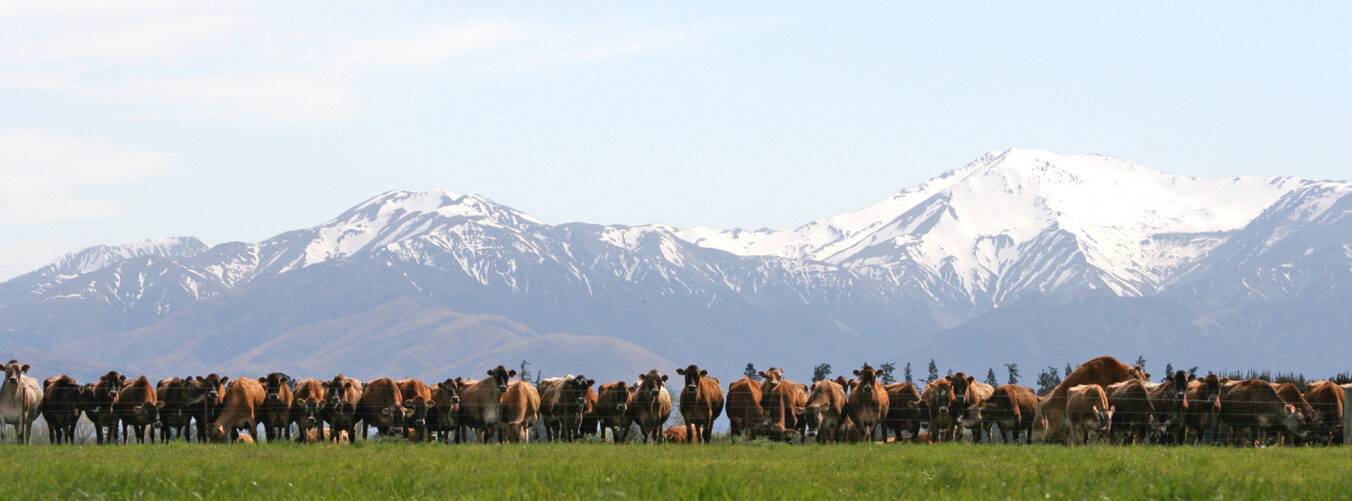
pixel 382 407
pixel 307 407
pixel 209 408
pixel 650 405
pixel 481 402
pixel 903 411
pixel 341 395
pixel 1291 394
pixel 744 407
pixel 1171 407
pixel 417 400
pixel 138 406
pixel 443 417
pixel 701 403
pixel 520 412
pixel 1014 409
pixel 276 411
pixel 939 404
pixel 243 399
pixel 1134 420
pixel 784 406
pixel 1101 371
pixel 60 407
pixel 1087 411
pixel 825 414
pixel 1204 406
pixel 1252 409
pixel 868 403
pixel 590 423
pixel 563 401
pixel 102 413
pixel 612 404
pixel 1328 400
pixel 179 396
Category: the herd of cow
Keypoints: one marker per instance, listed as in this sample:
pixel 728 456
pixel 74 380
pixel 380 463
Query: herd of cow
pixel 1103 399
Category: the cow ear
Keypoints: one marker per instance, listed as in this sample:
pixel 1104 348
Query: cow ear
pixel 121 377
pixel 590 382
pixel 856 372
pixel 285 379
pixel 971 379
pixel 1147 376
pixel 25 368
pixel 459 381
pixel 490 373
pixel 224 381
pixel 761 374
pixel 703 373
pixel 408 403
pixel 511 373
pixel 664 378
pixel 680 371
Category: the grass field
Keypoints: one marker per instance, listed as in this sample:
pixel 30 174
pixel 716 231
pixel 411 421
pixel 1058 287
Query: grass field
pixel 719 471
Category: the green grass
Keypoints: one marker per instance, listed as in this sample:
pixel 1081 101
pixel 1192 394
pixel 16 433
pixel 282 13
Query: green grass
pixel 719 471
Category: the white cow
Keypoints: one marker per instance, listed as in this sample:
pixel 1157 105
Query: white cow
pixel 19 399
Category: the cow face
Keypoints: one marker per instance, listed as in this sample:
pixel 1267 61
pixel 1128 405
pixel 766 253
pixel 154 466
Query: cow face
pixel 692 376
pixel 651 383
pixel 575 389
pixel 622 392
pixel 1104 420
pixel 14 371
pixel 1179 380
pixel 943 395
pixel 772 377
pixel 501 376
pixel 109 385
pixel 415 414
pixel 961 382
pixel 310 409
pixel 867 376
pixel 215 387
pixel 273 384
pixel 148 412
pixel 336 389
pixel 450 388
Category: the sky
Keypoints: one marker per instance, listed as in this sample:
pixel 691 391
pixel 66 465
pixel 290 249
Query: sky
pixel 121 121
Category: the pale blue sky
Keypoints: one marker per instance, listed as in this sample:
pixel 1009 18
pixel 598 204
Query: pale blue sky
pixel 237 122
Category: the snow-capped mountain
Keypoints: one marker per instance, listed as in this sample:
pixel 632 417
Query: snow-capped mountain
pixel 1083 251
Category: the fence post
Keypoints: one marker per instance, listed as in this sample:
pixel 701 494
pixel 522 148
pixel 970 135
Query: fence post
pixel 1347 426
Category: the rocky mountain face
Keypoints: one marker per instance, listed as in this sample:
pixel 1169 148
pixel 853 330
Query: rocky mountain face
pixel 1021 256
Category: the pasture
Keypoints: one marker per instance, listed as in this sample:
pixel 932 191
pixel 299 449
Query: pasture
pixel 755 470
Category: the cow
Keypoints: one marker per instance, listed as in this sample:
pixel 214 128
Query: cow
pixel 1101 371
pixel 744 407
pixel 825 411
pixel 20 400
pixel 939 404
pixel 1170 400
pixel 341 395
pixel 701 403
pixel 611 410
pixel 138 406
pixel 1134 420
pixel 563 401
pixel 1252 409
pixel 381 406
pixel 243 399
pixel 590 423
pixel 175 393
pixel 101 411
pixel 1203 414
pixel 205 411
pixel 1290 394
pixel 975 399
pixel 1329 402
pixel 1014 409
pixel 442 417
pixel 676 435
pixel 307 408
pixel 903 411
pixel 520 411
pixel 481 402
pixel 1087 411
pixel 650 405
pixel 60 407
pixel 784 405
pixel 417 400
pixel 276 411
pixel 868 403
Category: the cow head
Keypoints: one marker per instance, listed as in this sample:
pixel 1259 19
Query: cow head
pixel 416 411
pixel 972 417
pixel 692 376
pixel 501 376
pixel 651 383
pixel 1179 380
pixel 867 376
pixel 148 412
pixel 1138 373
pixel 844 384
pixel 450 390
pixel 961 382
pixel 942 395
pixel 336 389
pixel 273 384
pixel 1104 420
pixel 14 371
pixel 215 386
pixel 772 377
pixel 1211 388
pixel 109 385
pixel 619 392
pixel 309 410
pixel 575 389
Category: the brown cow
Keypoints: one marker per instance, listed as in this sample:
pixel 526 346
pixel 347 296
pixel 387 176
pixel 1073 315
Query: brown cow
pixel 612 404
pixel 138 407
pixel 1204 406
pixel 1087 410
pixel 970 419
pixel 676 435
pixel 701 403
pixel 1101 371
pixel 784 405
pixel 60 407
pixel 1253 406
pixel 1328 401
pixel 417 400
pixel 381 406
pixel 650 405
pixel 1014 409
pixel 744 407
pixel 181 397
pixel 244 398
pixel 341 395
pixel 205 411
pixel 825 414
pixel 307 408
pixel 443 417
pixel 520 411
pixel 868 403
pixel 481 402
pixel 939 404
pixel 276 411
pixel 1291 395
pixel 102 413
pixel 1134 420
pixel 1171 406
pixel 903 411
pixel 563 401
